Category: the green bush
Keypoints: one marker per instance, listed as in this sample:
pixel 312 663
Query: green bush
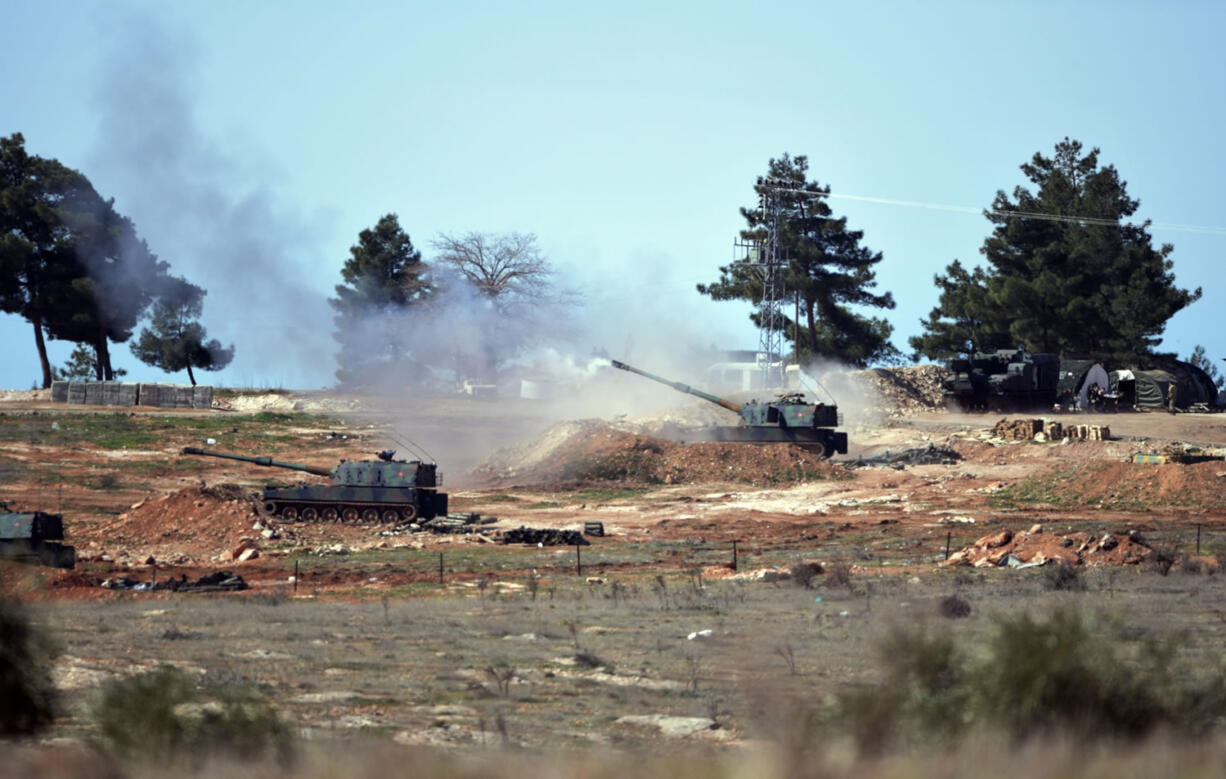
pixel 1055 674
pixel 921 698
pixel 1059 675
pixel 162 716
pixel 27 695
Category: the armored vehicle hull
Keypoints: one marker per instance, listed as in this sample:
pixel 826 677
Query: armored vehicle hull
pixel 35 537
pixel 1004 380
pixel 820 441
pixel 307 503
pixel 386 490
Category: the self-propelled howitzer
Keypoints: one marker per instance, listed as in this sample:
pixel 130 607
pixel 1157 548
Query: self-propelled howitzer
pixel 384 490
pixel 789 419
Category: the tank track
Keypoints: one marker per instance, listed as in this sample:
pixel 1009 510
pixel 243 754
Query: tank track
pixel 306 512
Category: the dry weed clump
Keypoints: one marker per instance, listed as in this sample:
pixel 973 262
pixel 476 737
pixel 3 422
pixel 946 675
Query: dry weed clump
pixel 838 574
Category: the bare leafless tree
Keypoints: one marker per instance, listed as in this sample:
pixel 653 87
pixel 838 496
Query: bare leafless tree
pixel 501 266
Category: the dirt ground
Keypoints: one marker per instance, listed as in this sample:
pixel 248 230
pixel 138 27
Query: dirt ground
pixel 923 502
pixel 143 507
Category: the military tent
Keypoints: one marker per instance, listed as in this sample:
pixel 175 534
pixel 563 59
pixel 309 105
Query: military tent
pixel 1150 388
pixel 1076 378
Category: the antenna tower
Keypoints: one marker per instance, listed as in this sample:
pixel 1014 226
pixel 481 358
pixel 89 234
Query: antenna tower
pixel 762 253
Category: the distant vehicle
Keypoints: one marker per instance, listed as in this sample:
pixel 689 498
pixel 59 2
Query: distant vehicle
pixel 1004 380
pixel 35 536
pixel 790 419
pixel 386 490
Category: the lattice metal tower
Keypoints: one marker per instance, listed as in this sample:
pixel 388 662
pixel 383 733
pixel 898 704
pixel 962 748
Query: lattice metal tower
pixel 764 256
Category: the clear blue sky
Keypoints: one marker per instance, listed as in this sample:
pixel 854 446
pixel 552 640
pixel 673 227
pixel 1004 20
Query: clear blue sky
pixel 251 141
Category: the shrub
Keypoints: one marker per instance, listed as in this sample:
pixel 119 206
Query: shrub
pixel 1055 674
pixel 27 695
pixel 804 574
pixel 921 697
pixel 839 575
pixel 1162 560
pixel 955 606
pixel 589 659
pixel 1058 675
pixel 1192 565
pixel 162 717
pixel 1064 578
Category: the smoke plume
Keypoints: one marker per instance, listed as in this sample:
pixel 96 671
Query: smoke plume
pixel 198 208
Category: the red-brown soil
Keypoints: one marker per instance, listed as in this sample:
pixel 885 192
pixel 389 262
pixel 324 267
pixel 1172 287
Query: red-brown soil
pixel 644 489
pixel 593 454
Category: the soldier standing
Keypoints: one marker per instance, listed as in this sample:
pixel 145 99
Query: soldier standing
pixel 1170 397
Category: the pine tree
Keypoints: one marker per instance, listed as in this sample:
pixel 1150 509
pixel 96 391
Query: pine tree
pixel 1066 273
pixel 383 276
pixel 82 365
pixel 828 273
pixel 962 322
pixel 116 279
pixel 175 341
pixel 1199 359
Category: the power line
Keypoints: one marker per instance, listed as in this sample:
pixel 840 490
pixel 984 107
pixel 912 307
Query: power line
pixel 1085 220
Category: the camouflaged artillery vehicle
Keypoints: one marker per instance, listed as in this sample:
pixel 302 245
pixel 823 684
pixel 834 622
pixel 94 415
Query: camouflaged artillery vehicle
pixel 34 536
pixel 1004 380
pixel 387 490
pixel 789 419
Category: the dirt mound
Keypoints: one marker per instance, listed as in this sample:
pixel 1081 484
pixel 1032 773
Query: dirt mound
pixel 1036 547
pixel 906 390
pixel 684 419
pixel 591 452
pixel 550 446
pixel 195 523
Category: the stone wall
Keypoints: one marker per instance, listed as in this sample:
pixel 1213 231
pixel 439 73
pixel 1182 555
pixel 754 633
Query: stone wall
pixel 126 393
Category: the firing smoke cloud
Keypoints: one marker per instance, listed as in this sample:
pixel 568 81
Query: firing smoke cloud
pixel 211 210
pixel 194 202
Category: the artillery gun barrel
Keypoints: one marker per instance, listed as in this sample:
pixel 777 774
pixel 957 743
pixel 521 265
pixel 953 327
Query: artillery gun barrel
pixel 265 461
pixel 687 389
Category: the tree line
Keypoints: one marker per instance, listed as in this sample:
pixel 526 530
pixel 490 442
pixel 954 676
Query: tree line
pixel 1065 271
pixel 77 270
